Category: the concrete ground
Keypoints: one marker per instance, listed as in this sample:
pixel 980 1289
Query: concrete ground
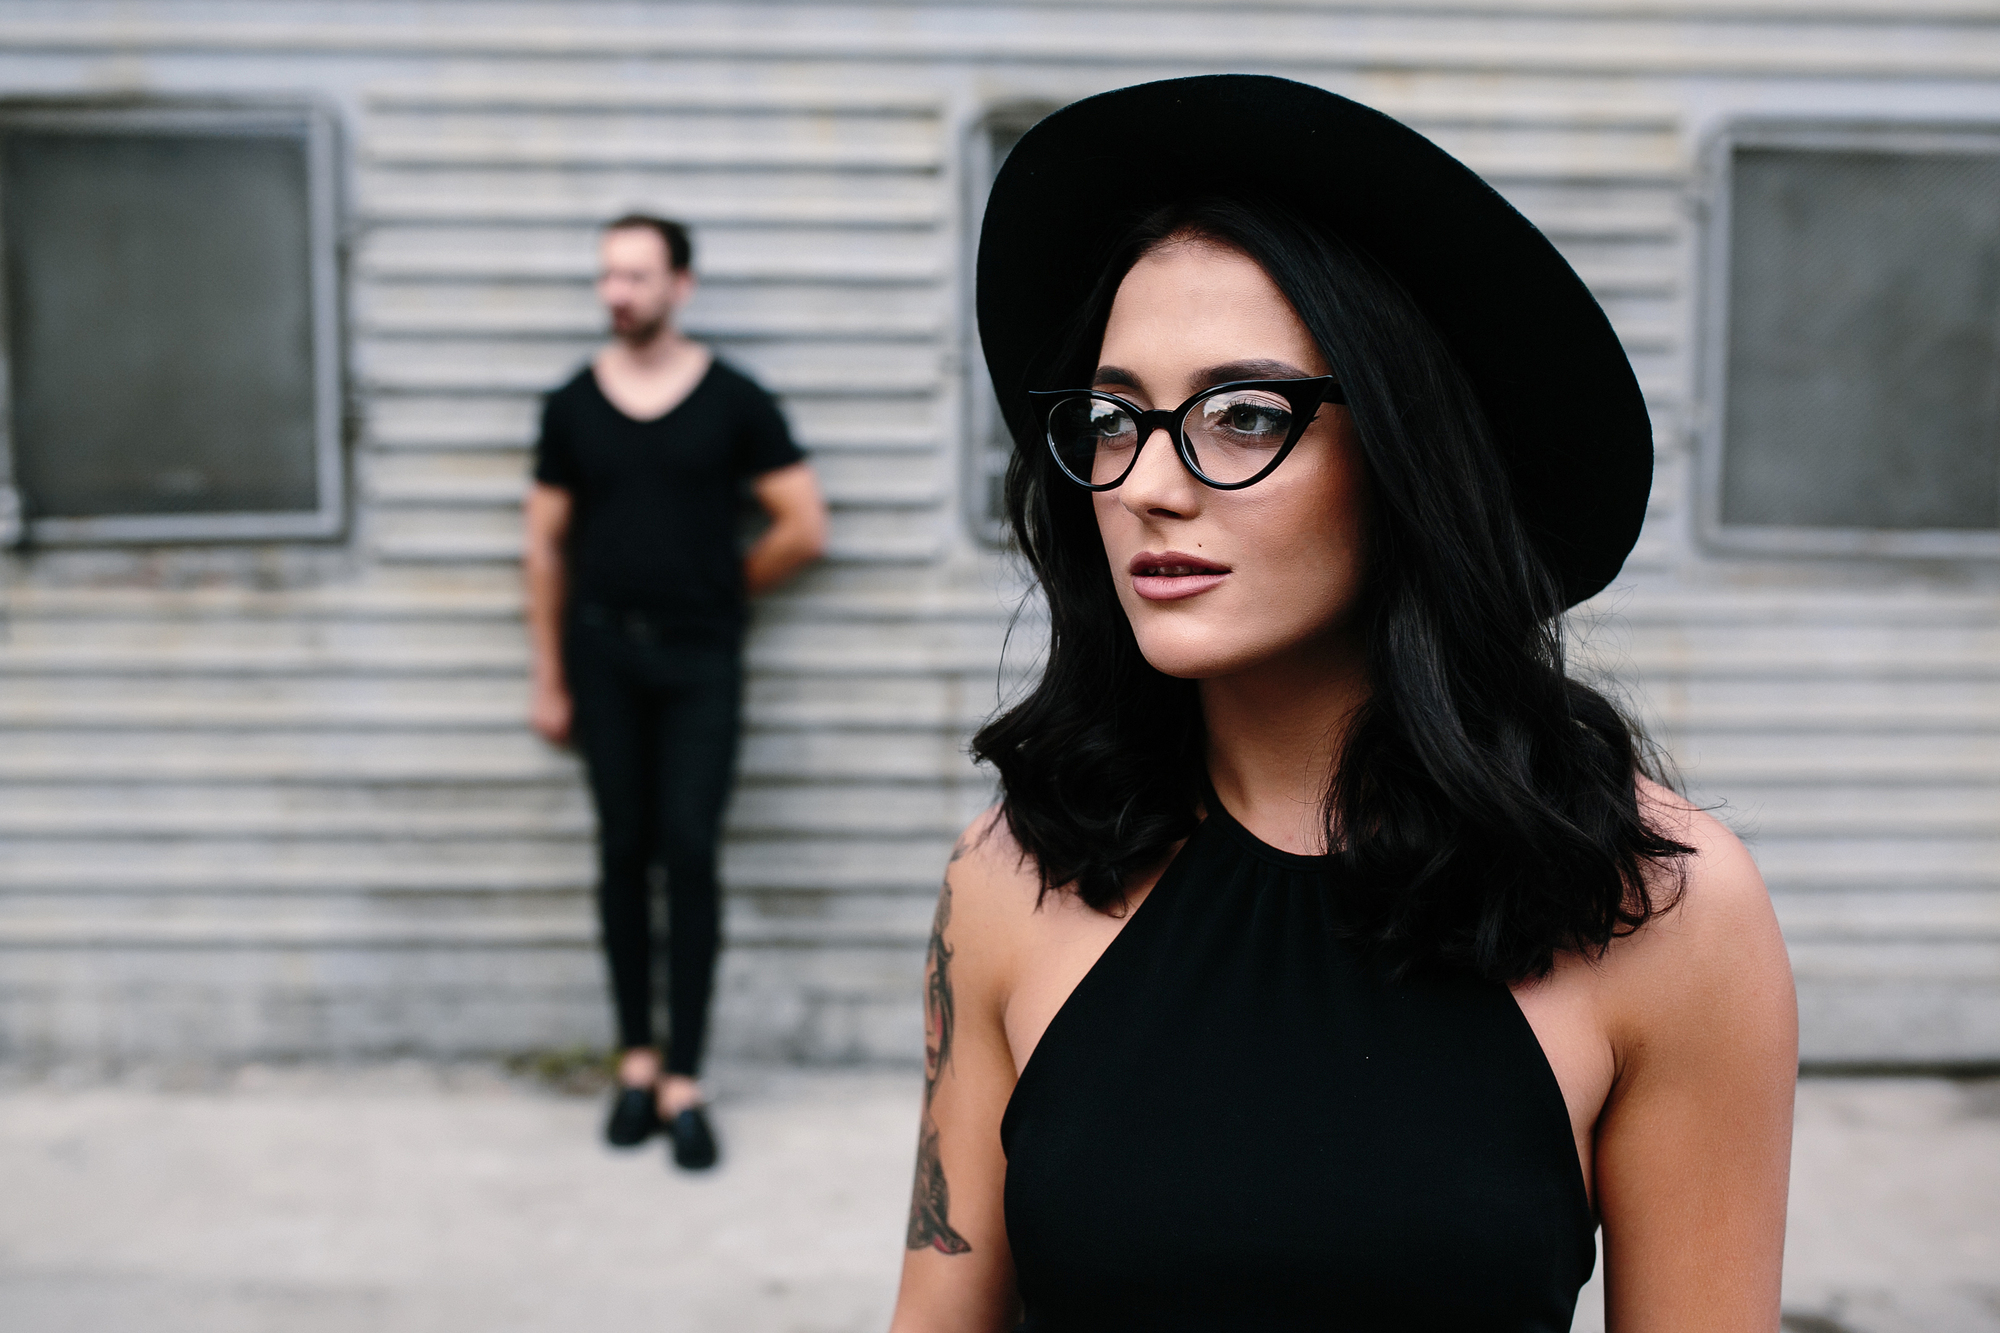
pixel 394 1199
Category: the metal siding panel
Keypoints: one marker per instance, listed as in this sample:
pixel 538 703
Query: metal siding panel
pixel 363 722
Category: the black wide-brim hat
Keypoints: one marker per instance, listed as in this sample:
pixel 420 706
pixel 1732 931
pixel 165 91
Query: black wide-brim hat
pixel 1551 375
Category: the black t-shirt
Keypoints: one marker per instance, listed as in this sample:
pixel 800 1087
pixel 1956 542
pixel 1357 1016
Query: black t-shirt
pixel 656 502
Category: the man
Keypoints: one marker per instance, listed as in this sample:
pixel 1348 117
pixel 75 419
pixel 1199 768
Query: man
pixel 635 609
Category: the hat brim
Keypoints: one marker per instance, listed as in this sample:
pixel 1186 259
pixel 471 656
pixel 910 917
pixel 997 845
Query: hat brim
pixel 1549 370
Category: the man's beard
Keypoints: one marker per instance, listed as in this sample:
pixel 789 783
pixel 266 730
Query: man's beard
pixel 638 333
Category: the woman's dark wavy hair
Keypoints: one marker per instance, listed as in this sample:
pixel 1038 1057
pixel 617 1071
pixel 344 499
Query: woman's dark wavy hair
pixel 1482 807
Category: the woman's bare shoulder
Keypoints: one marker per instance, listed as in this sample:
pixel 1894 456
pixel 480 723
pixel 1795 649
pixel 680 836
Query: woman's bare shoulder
pixel 1718 881
pixel 1713 953
pixel 988 860
pixel 991 885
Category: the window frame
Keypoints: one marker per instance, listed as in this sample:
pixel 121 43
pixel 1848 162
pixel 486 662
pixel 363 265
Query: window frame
pixel 981 409
pixel 315 124
pixel 1713 334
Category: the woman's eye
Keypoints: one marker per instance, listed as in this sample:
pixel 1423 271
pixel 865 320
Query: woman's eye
pixel 1249 417
pixel 1110 424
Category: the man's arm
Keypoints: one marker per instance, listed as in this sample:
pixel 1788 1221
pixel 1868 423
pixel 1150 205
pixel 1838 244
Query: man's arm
pixel 545 530
pixel 797 535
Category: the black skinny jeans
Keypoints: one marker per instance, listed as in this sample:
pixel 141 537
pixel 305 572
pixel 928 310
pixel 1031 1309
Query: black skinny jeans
pixel 657 723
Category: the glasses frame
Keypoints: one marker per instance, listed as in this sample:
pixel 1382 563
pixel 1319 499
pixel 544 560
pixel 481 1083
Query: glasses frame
pixel 1305 396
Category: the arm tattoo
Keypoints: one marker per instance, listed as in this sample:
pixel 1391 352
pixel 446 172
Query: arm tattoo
pixel 939 1011
pixel 930 1201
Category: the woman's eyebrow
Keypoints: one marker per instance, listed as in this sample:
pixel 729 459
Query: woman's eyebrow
pixel 1249 370
pixel 1114 375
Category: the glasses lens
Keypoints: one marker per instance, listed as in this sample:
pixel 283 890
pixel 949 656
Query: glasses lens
pixel 1236 433
pixel 1093 439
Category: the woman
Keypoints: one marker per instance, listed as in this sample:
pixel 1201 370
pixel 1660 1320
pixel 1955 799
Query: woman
pixel 1330 961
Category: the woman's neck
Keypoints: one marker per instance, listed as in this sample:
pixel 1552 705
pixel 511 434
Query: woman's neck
pixel 1273 735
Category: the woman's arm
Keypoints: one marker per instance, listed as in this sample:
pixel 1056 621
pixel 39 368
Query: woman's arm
pixel 1694 1143
pixel 957 1271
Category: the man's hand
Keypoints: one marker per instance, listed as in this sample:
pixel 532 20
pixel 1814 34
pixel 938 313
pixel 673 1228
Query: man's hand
pixel 550 711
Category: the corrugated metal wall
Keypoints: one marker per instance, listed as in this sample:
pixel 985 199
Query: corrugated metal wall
pixel 279 800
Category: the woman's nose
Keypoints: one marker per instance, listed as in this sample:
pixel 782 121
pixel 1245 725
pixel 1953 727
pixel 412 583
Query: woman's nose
pixel 1159 482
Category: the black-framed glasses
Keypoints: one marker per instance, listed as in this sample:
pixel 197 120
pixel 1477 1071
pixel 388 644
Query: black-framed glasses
pixel 1230 436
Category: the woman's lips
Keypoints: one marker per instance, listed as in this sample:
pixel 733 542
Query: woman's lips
pixel 1168 576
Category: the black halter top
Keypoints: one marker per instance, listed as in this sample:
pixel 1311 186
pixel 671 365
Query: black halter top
pixel 1237 1121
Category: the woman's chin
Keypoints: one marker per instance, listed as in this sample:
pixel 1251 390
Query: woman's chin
pixel 1178 656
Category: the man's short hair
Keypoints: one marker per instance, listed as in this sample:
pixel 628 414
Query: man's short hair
pixel 680 250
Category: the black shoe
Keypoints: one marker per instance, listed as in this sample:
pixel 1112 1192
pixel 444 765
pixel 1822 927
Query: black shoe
pixel 634 1118
pixel 694 1142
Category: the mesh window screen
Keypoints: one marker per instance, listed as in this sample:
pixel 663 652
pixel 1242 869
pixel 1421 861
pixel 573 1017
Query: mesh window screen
pixel 159 322
pixel 1862 382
